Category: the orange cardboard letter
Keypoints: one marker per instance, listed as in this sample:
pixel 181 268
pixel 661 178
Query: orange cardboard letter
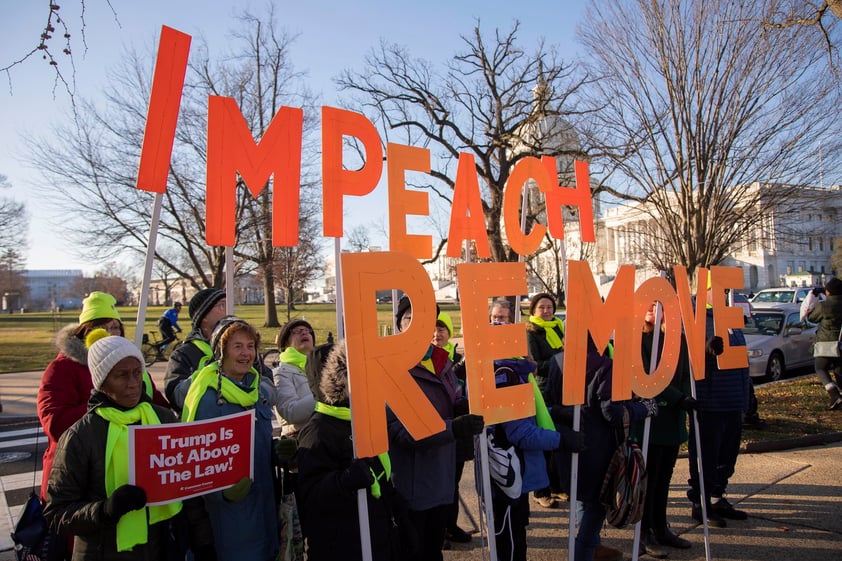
pixel 338 181
pixel 478 282
pixel 378 367
pixel 164 101
pixel 727 317
pixel 467 221
pixel 400 158
pixel 525 169
pixel 694 323
pixel 231 149
pixel 650 385
pixel 558 197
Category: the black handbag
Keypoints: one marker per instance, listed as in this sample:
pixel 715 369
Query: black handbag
pixel 33 539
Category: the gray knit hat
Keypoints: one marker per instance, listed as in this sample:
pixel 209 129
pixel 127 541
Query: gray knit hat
pixel 105 353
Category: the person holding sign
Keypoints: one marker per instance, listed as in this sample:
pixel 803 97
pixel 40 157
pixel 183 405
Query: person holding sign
pixel 722 398
pixel 545 338
pixel 88 494
pixel 295 400
pixel 244 517
pixel 531 438
pixel 603 422
pixel 425 471
pixel 329 475
pixel 668 430
pixel 66 383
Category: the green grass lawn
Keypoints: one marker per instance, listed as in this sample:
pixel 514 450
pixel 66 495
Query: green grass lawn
pixel 26 340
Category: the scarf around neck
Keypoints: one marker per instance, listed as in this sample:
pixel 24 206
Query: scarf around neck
pixel 133 527
pixel 230 391
pixel 553 339
pixel 344 414
pixel 294 357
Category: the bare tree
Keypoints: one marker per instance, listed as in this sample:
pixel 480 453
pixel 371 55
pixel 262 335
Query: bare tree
pixel 13 222
pixel 713 122
pixel 481 102
pixel 358 239
pixel 805 13
pixel 297 266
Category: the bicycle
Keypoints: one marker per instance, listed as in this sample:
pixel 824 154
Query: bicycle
pixel 153 351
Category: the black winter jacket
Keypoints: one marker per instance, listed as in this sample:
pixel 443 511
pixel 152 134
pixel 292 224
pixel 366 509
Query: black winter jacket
pixel 828 314
pixel 76 496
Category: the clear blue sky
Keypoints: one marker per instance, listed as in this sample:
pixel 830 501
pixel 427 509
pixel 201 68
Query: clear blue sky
pixel 332 36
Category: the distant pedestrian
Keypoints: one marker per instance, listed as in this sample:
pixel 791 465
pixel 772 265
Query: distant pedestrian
pixel 168 324
pixel 828 315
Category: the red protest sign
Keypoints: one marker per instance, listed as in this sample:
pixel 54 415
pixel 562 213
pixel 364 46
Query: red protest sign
pixel 182 460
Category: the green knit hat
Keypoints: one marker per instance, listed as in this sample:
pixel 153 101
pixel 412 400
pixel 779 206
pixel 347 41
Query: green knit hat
pixel 98 305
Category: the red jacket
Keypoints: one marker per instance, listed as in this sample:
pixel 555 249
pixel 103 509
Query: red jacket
pixel 63 396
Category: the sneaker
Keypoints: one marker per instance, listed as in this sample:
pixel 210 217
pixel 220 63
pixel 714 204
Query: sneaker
pixel 649 546
pixel 835 403
pixel 605 553
pixel 714 519
pixel 724 509
pixel 546 502
pixel 458 535
pixel 667 538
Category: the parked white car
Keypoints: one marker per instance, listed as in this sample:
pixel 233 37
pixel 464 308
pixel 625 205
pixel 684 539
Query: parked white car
pixel 778 341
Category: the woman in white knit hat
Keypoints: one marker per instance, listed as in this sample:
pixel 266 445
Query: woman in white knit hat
pixel 88 495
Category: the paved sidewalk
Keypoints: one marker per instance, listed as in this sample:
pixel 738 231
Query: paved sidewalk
pixel 793 497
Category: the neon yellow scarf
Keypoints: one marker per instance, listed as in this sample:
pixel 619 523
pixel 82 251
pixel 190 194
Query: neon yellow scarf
pixel 344 414
pixel 208 377
pixel 295 358
pixel 133 527
pixel 450 348
pixel 542 414
pixel 551 334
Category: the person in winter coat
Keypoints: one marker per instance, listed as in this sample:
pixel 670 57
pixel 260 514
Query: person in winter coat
pixel 245 516
pixel 667 431
pixel 602 423
pixel 828 314
pixel 66 384
pixel 424 471
pixel 329 476
pixel 545 339
pixel 464 448
pixel 205 309
pixel 722 398
pixel 531 438
pixel 295 400
pixel 88 494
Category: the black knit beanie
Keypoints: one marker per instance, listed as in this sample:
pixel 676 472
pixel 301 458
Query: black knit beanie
pixel 833 287
pixel 202 302
pixel 403 305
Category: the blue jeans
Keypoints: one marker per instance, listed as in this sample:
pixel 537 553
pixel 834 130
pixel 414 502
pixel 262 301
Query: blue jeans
pixel 590 517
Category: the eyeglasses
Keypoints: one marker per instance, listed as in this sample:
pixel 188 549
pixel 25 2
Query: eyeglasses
pixel 300 331
pixel 112 327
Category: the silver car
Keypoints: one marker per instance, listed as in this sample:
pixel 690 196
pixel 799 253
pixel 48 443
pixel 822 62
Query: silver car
pixel 771 296
pixel 778 341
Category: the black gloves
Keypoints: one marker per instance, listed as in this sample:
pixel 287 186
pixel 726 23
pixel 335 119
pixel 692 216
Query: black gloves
pixel 688 403
pixel 467 425
pixel 125 498
pixel 571 440
pixel 238 492
pixel 285 449
pixel 715 346
pixel 562 415
pixel 357 476
pixel 651 407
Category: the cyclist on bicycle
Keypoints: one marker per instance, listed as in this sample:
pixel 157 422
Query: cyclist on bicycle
pixel 168 324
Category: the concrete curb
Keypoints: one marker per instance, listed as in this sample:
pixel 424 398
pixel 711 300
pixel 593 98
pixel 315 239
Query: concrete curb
pixel 790 443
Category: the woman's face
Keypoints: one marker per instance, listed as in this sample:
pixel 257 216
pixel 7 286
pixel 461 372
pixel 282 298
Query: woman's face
pixel 406 319
pixel 650 314
pixel 124 384
pixel 239 355
pixel 441 336
pixel 545 309
pixel 301 339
